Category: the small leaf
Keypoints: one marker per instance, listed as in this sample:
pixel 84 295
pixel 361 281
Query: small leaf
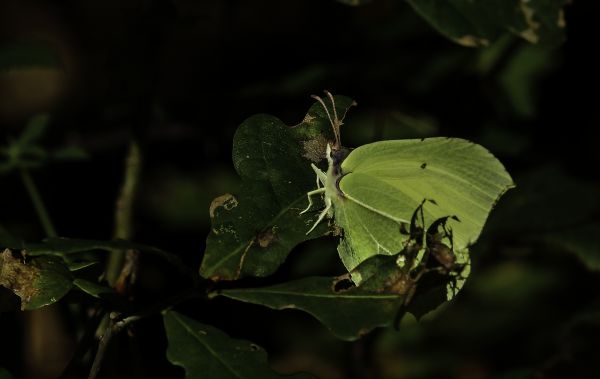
pixel 478 23
pixel 39 282
pixel 65 246
pixel 91 288
pixel 206 352
pixel 254 230
pixel 34 130
pixel 349 312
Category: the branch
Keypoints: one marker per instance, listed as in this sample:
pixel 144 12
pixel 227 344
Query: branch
pixel 124 214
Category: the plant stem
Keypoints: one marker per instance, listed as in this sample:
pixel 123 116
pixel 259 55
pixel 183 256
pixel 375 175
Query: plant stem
pixel 38 204
pixel 124 211
pixel 116 325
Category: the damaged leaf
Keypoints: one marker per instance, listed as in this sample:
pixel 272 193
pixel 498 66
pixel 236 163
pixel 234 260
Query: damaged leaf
pixel 348 311
pixel 254 229
pixel 478 23
pixel 39 282
pixel 68 249
pixel 206 352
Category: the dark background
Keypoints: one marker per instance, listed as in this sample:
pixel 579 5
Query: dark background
pixel 179 76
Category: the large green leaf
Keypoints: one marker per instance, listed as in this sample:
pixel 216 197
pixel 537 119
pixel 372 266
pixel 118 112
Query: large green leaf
pixel 348 312
pixel 478 22
pixel 254 230
pixel 38 282
pixel 206 352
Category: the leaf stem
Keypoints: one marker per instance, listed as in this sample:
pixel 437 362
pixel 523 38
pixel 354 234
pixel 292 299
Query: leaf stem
pixel 38 203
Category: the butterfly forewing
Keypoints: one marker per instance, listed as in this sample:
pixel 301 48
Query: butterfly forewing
pixel 384 182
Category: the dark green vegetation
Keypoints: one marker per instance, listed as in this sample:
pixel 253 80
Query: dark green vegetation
pixel 222 280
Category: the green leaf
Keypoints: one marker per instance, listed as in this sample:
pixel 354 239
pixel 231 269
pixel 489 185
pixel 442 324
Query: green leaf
pixel 34 130
pixel 477 23
pixel 27 55
pixel 348 313
pixel 39 282
pixel 520 78
pixel 206 352
pixel 254 230
pixel 91 288
pixel 581 241
pixel 4 374
pixel 64 246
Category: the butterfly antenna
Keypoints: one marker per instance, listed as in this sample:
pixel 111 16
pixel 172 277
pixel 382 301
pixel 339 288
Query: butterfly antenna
pixel 334 121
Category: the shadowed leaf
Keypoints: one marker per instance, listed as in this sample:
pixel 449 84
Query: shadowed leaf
pixel 348 311
pixel 92 288
pixel 254 230
pixel 206 352
pixel 478 23
pixel 38 282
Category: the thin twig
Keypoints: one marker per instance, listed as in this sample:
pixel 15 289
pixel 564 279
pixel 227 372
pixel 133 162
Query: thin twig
pixel 115 327
pixel 38 203
pixel 102 346
pixel 124 211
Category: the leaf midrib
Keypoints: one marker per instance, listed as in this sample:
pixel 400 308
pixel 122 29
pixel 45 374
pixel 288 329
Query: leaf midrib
pixel 303 294
pixel 206 346
pixel 211 269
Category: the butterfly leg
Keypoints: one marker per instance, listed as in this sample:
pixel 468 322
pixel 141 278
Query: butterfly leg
pixel 321 176
pixel 310 194
pixel 322 215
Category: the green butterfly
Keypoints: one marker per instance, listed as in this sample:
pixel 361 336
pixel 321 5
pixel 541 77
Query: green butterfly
pixel 371 190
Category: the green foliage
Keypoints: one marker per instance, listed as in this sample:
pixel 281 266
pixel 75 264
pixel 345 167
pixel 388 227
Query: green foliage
pixel 348 312
pixel 254 230
pixel 47 274
pixel 206 352
pixel 26 152
pixel 537 254
pixel 39 282
pixel 478 23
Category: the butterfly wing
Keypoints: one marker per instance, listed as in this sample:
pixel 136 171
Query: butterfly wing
pixel 384 182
